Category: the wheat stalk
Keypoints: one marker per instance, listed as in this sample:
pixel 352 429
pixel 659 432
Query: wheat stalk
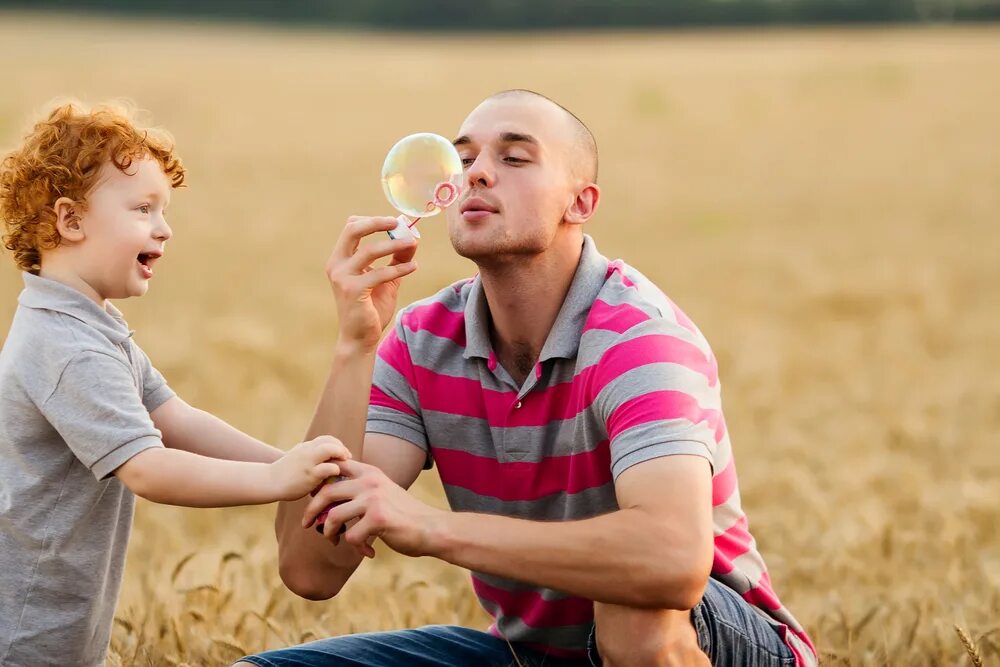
pixel 180 566
pixel 970 648
pixel 231 644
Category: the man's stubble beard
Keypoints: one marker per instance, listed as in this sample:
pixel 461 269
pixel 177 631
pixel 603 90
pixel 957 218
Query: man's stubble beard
pixel 495 247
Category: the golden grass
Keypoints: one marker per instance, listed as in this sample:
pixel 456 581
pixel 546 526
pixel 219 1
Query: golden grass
pixel 970 647
pixel 823 203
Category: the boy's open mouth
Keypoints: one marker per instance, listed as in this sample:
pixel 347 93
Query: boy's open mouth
pixel 146 261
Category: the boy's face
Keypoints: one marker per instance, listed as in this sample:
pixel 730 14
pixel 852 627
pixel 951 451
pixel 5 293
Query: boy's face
pixel 125 229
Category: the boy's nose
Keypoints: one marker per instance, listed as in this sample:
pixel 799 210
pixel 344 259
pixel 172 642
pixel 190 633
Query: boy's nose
pixel 163 231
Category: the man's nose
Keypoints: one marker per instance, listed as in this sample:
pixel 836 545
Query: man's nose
pixel 481 172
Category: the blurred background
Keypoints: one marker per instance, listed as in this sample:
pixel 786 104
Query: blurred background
pixel 815 182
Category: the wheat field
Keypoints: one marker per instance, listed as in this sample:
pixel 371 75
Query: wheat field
pixel 823 203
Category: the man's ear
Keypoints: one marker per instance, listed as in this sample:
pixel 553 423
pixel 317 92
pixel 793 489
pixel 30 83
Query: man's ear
pixel 583 206
pixel 68 220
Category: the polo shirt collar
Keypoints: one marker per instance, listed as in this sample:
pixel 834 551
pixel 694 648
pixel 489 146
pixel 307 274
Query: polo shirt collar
pixel 477 321
pixel 563 340
pixel 45 294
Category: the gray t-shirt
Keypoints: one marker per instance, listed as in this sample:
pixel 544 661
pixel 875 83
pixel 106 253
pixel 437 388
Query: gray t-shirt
pixel 75 398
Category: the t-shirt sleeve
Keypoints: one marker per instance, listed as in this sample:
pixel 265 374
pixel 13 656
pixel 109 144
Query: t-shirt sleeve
pixel 155 390
pixel 657 391
pixel 393 407
pixel 96 408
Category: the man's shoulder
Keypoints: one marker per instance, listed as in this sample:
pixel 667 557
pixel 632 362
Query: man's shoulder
pixel 454 297
pixel 630 305
pixel 443 309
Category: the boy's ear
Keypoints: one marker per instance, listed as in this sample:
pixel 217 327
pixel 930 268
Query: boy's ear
pixel 68 220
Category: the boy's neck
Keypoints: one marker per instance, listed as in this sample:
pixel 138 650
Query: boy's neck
pixel 66 276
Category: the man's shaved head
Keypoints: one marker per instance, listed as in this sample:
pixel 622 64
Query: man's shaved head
pixel 585 143
pixel 530 168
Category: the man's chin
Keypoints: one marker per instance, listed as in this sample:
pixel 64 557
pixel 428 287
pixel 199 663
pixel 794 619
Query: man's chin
pixel 474 249
pixel 496 253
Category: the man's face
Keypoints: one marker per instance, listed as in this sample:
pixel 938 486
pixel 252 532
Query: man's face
pixel 519 178
pixel 125 229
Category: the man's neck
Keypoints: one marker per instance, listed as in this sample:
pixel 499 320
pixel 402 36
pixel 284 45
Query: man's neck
pixel 524 298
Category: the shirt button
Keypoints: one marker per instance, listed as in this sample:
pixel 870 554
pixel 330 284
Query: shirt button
pixel 518 405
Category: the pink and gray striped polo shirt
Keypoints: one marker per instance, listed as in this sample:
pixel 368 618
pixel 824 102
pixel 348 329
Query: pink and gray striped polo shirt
pixel 624 377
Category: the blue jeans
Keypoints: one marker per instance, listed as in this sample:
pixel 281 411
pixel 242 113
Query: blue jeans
pixel 729 631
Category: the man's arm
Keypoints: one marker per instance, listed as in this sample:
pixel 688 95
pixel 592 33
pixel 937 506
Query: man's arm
pixel 655 551
pixel 310 565
pixel 192 430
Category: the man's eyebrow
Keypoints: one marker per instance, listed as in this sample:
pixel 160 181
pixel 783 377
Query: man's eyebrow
pixel 518 138
pixel 505 137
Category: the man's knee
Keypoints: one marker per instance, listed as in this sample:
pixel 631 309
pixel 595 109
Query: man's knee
pixel 647 638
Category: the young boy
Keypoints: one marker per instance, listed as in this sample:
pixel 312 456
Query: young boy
pixel 85 419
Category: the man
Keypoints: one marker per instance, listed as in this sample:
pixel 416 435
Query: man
pixel 574 415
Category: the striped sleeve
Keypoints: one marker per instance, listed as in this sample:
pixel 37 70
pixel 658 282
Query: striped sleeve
pixel 657 391
pixel 393 407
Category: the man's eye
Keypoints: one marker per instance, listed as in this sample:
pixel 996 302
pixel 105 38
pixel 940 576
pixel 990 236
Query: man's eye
pixel 514 160
pixel 467 161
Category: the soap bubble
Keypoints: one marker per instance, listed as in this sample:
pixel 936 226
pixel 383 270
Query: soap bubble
pixel 422 174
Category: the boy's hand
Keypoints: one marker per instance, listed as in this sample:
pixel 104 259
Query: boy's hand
pixel 306 467
pixel 385 510
pixel 366 296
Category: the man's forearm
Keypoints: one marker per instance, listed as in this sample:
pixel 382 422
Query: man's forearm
pixel 343 406
pixel 310 565
pixel 627 557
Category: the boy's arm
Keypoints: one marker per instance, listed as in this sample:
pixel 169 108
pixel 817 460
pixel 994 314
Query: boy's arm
pixel 98 413
pixel 176 477
pixel 187 428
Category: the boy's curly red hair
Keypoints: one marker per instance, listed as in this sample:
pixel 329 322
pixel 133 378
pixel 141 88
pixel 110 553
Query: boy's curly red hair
pixel 61 157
